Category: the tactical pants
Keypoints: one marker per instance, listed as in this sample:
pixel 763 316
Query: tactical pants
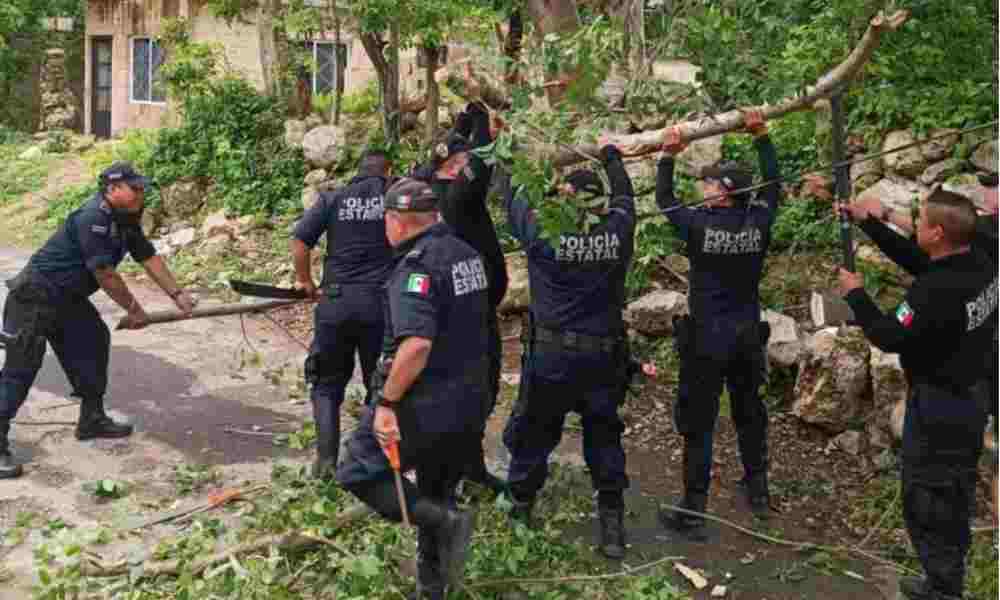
pixel 79 338
pixel 347 324
pixel 705 366
pixel 478 463
pixel 439 460
pixel 553 383
pixel 942 441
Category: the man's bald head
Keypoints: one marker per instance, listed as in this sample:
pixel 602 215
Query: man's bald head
pixel 954 213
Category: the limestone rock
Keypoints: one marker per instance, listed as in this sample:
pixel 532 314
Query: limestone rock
pixel 309 197
pixel 896 418
pixel 215 245
pixel 295 132
pixel 941 148
pixel 323 146
pixel 906 163
pixel 315 177
pixel 784 346
pixel 832 386
pixel 850 442
pixel 653 313
pixel 896 193
pixel 865 174
pixel 181 238
pixel 873 255
pixel 217 224
pixel 82 143
pixel 966 185
pixel 150 220
pixel 32 153
pixel 985 157
pixel 313 121
pixel 679 263
pixel 183 198
pixel 940 171
pixel 518 296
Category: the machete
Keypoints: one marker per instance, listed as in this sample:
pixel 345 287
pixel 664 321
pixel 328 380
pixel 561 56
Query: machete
pixel 245 288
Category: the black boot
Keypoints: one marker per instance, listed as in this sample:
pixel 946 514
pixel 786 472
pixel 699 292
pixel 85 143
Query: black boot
pixel 8 468
pixel 612 532
pixel 453 529
pixel 430 585
pixel 520 511
pixel 690 526
pixel 757 495
pixel 918 588
pixel 326 401
pixel 94 423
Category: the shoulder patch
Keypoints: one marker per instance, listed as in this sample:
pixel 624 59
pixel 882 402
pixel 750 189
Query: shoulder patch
pixel 418 283
pixel 99 229
pixel 904 314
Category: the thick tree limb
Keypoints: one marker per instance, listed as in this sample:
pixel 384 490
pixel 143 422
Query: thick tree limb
pixel 169 316
pixel 650 141
pixel 292 541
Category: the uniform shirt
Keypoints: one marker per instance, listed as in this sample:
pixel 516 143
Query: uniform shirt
pixel 578 283
pixel 726 246
pixel 89 239
pixel 945 326
pixel 986 236
pixel 463 207
pixel 439 291
pixel 353 219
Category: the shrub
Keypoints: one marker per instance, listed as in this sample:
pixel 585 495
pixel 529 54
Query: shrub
pixel 365 101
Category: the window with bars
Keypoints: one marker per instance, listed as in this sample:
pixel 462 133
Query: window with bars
pixel 147 56
pixel 323 77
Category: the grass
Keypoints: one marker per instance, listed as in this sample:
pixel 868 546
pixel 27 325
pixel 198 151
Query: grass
pixel 18 177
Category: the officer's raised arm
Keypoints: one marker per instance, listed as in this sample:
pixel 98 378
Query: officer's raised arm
pixel 520 216
pixel 757 127
pixel 902 250
pixel 622 193
pixel 680 217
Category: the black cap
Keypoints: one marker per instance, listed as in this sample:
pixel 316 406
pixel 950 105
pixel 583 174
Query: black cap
pixel 410 195
pixel 584 180
pixel 988 179
pixel 123 172
pixel 732 175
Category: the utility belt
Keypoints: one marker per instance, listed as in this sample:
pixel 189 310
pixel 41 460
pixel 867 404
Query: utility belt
pixel 336 289
pixel 536 336
pixel 30 286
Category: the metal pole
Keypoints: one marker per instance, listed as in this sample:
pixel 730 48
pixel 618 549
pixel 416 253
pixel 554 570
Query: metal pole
pixel 842 179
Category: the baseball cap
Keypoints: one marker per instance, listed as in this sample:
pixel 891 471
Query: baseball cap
pixel 124 172
pixel 410 195
pixel 732 176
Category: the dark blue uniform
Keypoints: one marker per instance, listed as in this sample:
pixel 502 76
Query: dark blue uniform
pixel 942 331
pixel 438 291
pixel 349 315
pixel 721 340
pixel 574 352
pixel 49 301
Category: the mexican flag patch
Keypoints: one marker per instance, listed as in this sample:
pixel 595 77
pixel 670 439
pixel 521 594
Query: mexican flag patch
pixel 904 314
pixel 418 284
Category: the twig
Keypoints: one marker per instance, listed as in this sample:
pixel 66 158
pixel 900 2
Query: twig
pixel 790 544
pixel 45 423
pixel 288 333
pixel 247 432
pixel 663 263
pixel 881 520
pixel 569 578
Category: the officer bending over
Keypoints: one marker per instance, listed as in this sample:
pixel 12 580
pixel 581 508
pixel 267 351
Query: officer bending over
pixel 575 356
pixel 49 302
pixel 942 331
pixel 723 339
pixel 348 316
pixel 434 362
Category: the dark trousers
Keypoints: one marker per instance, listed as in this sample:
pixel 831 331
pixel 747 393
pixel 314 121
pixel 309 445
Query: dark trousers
pixel 553 383
pixel 439 460
pixel 78 336
pixel 476 469
pixel 697 409
pixel 942 441
pixel 349 324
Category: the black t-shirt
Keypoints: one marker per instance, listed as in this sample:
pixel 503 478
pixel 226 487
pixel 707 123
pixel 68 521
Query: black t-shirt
pixel 89 239
pixel 353 219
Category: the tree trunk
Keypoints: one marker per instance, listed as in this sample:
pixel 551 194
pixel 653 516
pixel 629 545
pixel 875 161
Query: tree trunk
pixel 341 67
pixel 433 95
pixel 266 49
pixel 650 141
pixel 559 17
pixel 390 93
pixel 512 46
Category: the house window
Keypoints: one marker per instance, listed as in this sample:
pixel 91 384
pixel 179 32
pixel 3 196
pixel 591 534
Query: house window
pixel 147 56
pixel 323 79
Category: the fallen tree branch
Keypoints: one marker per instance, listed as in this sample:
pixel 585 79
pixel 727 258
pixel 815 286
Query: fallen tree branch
pixel 571 578
pixel 169 316
pixel 650 141
pixel 287 542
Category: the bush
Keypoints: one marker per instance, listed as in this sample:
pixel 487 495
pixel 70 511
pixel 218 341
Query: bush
pixel 807 225
pixel 365 101
pixel 71 199
pixel 234 136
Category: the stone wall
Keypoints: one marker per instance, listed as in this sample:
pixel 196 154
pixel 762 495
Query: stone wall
pixel 21 101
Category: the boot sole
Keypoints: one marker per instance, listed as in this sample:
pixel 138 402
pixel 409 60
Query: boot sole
pixel 453 564
pixel 12 473
pixel 692 534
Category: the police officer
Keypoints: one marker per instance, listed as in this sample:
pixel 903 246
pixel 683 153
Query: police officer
pixel 49 302
pixel 349 313
pixel 462 182
pixel 574 352
pixel 942 330
pixel 721 340
pixel 431 390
